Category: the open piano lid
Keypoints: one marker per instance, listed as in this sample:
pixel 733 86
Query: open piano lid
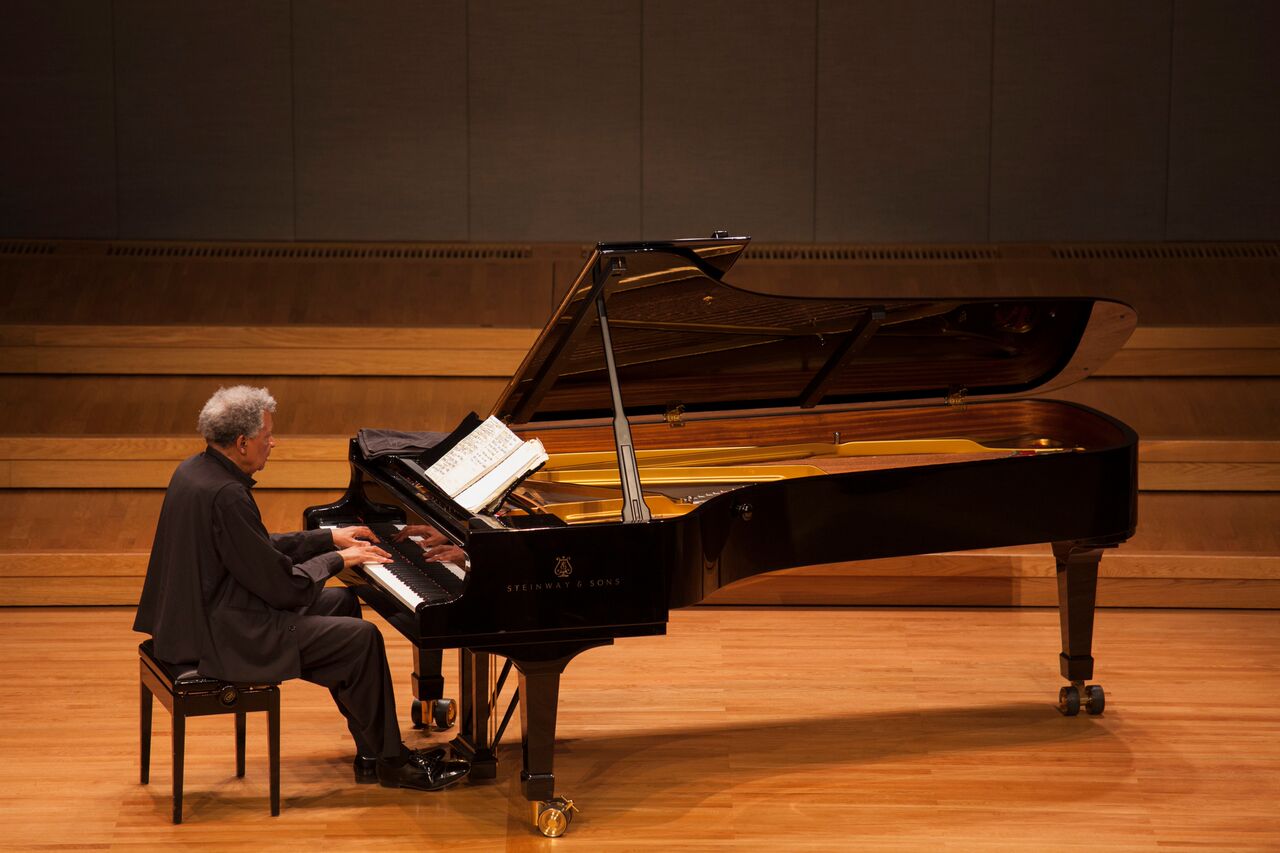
pixel 683 338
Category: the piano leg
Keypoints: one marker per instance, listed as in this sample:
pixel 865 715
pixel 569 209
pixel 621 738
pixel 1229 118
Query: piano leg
pixel 539 703
pixel 473 741
pixel 430 708
pixel 1077 567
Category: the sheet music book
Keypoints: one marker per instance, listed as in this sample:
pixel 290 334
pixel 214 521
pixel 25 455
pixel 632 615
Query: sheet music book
pixel 483 463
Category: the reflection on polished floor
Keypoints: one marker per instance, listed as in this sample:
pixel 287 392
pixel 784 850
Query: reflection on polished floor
pixel 819 729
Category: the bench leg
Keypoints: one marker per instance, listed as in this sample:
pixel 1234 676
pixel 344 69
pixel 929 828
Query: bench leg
pixel 179 745
pixel 144 733
pixel 273 747
pixel 240 728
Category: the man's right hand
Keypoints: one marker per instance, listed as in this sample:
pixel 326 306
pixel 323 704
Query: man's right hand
pixel 363 552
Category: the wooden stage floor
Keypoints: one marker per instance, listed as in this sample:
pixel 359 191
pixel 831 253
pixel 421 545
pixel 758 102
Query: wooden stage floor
pixel 785 729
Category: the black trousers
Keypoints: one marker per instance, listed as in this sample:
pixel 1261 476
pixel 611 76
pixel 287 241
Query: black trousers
pixel 343 652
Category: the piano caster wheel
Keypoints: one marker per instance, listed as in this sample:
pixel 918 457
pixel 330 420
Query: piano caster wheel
pixel 1095 700
pixel 1070 699
pixel 552 817
pixel 444 713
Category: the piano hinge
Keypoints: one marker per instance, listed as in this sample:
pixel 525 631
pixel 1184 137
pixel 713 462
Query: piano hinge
pixel 675 414
pixel 956 397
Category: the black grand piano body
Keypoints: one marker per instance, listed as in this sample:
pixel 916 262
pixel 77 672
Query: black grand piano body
pixel 651 349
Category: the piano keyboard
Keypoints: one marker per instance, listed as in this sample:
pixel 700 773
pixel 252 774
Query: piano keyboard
pixel 410 578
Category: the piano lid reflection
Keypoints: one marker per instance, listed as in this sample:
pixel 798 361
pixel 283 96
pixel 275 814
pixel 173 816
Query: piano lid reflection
pixel 701 434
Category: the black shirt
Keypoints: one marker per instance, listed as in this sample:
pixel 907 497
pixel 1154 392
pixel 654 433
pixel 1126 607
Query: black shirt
pixel 221 591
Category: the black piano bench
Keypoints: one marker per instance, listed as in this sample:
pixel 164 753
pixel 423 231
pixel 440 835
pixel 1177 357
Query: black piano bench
pixel 187 693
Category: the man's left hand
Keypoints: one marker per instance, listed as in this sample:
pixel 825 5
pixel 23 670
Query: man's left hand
pixel 345 537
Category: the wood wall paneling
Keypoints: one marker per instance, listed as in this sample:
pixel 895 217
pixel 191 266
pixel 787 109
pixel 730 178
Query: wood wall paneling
pixel 380 120
pixel 1207 408
pixel 554 101
pixel 729 118
pixel 168 405
pixel 903 117
pixel 203 100
pixel 1153 351
pixel 294 351
pixel 1079 119
pixel 57 150
pixel 350 286
pixel 1224 175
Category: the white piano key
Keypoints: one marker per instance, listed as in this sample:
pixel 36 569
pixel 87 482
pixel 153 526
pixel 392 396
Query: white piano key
pixel 393 585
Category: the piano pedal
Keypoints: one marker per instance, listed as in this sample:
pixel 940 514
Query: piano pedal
pixel 1078 695
pixel 443 714
pixel 552 817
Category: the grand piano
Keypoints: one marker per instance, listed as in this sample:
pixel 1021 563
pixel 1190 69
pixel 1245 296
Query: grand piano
pixel 700 434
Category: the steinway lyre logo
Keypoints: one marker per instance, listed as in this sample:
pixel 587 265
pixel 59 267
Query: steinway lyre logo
pixel 564 568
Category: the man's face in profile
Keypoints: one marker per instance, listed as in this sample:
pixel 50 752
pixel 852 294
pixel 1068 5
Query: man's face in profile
pixel 258 449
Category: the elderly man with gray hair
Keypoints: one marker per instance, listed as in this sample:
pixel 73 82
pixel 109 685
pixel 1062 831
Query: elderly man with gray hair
pixel 244 605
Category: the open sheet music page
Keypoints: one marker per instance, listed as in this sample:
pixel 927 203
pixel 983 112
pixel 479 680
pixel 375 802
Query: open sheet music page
pixel 494 484
pixel 482 449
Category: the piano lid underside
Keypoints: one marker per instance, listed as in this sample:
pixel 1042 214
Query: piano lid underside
pixel 699 341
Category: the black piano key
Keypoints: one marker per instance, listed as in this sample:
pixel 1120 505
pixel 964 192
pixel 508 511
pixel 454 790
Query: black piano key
pixel 432 581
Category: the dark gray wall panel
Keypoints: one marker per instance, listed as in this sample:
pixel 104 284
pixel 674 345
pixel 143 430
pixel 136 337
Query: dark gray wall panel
pixel 1079 119
pixel 903 120
pixel 729 118
pixel 57 151
pixel 380 118
pixel 1224 169
pixel 204 104
pixel 555 119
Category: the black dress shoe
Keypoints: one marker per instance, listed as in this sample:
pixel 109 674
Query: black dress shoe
pixel 422 772
pixel 366 766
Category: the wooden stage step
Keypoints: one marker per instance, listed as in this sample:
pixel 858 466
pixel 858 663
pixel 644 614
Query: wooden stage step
pixel 1192 549
pixel 492 352
pixel 250 350
pixel 1219 408
pixel 319 462
pixel 102 373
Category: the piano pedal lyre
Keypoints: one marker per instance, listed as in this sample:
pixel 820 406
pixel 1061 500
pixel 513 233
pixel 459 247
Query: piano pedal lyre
pixel 552 817
pixel 1079 695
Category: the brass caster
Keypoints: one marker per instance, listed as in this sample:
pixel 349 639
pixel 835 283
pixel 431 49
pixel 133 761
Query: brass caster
pixel 552 817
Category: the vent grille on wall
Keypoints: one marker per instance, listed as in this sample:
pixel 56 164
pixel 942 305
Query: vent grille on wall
pixel 28 248
pixel 458 251
pixel 1157 252
pixel 767 252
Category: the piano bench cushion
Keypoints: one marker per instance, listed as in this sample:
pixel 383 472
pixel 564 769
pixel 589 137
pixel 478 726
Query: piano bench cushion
pixel 185 678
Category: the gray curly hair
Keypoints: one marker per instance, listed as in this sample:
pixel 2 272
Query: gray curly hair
pixel 234 411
